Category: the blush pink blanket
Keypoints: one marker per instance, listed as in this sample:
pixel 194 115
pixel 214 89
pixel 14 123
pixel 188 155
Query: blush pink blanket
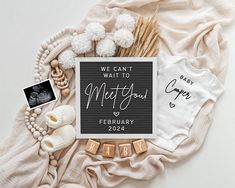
pixel 191 28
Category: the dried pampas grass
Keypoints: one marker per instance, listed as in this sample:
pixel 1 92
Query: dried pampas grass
pixel 146 35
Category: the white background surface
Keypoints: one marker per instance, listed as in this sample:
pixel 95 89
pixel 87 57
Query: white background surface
pixel 25 24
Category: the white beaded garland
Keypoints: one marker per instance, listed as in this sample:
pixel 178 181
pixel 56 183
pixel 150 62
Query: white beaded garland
pixel 27 113
pixel 36 134
pixel 47 52
pixel 44 45
pixel 50 47
pixel 36 75
pixel 52 157
pixel 34 115
pixel 38 111
pixel 53 162
pixel 42 54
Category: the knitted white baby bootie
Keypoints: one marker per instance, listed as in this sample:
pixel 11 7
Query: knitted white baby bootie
pixel 62 115
pixel 60 138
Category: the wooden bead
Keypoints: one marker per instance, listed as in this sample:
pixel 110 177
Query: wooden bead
pixel 108 150
pixel 37 111
pixel 50 47
pixel 36 134
pixel 27 113
pixel 140 146
pixel 54 63
pixel 34 115
pixel 59 78
pixel 92 146
pixel 125 150
pixel 65 92
pixel 53 162
pixel 36 75
pixel 44 45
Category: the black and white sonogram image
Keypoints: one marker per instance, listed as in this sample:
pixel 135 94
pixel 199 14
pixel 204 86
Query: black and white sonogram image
pixel 39 94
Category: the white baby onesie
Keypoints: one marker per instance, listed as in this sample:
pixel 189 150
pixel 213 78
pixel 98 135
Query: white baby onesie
pixel 182 90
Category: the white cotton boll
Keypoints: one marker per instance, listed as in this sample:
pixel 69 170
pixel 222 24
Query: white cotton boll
pixel 67 59
pixel 125 21
pixel 106 48
pixel 123 38
pixel 95 31
pixel 81 44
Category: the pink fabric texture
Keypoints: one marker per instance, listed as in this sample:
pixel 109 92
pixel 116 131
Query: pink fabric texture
pixel 191 28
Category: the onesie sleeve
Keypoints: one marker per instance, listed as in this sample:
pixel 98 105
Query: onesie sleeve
pixel 165 61
pixel 216 88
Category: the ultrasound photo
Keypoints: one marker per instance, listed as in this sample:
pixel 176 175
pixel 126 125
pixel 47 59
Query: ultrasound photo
pixel 39 94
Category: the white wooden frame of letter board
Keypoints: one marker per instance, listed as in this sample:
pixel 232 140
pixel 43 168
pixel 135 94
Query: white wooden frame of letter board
pixel 80 135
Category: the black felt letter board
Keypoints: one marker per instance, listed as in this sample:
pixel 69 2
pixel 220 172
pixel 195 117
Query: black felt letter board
pixel 116 97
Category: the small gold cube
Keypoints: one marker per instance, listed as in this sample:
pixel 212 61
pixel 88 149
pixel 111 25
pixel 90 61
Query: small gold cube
pixel 140 146
pixel 125 150
pixel 92 146
pixel 108 150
